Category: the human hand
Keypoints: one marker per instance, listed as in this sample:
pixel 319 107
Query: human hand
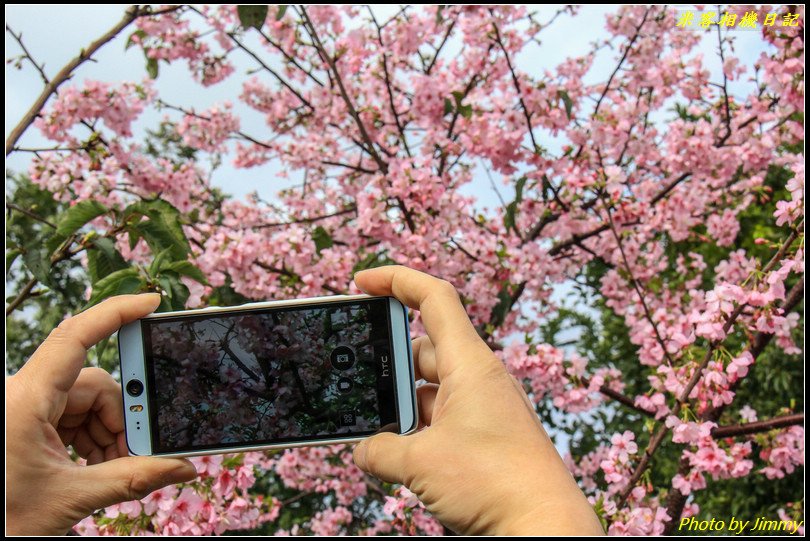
pixel 52 402
pixel 483 464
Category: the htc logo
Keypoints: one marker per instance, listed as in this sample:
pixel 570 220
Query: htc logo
pixel 385 365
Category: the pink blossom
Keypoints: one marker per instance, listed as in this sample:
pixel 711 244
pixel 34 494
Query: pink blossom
pixel 689 432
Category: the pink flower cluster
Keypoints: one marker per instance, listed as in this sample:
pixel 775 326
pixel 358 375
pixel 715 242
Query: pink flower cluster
pixel 117 107
pixel 314 469
pixel 408 514
pixel 208 130
pixel 217 501
pixel 785 452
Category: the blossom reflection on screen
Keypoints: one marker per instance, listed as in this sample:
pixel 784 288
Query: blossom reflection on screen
pixel 262 377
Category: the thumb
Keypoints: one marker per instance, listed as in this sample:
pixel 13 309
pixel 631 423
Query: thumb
pixel 130 478
pixel 384 456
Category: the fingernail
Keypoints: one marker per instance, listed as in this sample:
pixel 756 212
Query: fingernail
pixel 183 472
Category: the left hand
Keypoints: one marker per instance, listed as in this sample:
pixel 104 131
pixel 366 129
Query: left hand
pixel 51 403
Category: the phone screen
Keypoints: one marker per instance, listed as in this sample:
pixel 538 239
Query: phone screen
pixel 270 376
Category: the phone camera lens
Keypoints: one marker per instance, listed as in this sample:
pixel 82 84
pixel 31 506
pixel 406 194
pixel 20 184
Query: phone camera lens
pixel 134 387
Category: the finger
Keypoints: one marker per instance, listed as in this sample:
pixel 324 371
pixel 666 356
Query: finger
pixel 72 421
pixel 121 447
pixel 85 447
pixel 92 425
pixel 426 398
pixel 444 317
pixel 99 432
pixel 129 478
pixel 95 391
pixel 424 359
pixel 55 365
pixel 384 456
pixel 112 452
pixel 66 434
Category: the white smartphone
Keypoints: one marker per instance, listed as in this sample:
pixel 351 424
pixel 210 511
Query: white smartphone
pixel 267 375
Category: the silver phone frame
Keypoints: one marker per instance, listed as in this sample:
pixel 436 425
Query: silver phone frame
pixel 133 366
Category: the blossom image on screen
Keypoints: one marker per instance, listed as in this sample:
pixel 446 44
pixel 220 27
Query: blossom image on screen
pixel 268 376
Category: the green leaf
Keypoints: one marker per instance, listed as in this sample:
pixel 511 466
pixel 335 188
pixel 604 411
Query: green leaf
pixel 140 33
pixel 563 95
pixel 464 110
pixel 159 237
pixel 103 259
pixel 175 291
pixel 322 239
pixel 119 282
pixel 282 9
pixel 511 208
pixel 101 347
pixel 78 215
pixel 38 262
pixel 373 260
pixel 501 310
pixel 54 242
pixel 254 16
pixel 439 10
pixel 448 106
pixel 165 304
pixel 186 268
pixel 162 228
pixel 11 257
pixel 159 261
pixel 519 185
pixel 152 67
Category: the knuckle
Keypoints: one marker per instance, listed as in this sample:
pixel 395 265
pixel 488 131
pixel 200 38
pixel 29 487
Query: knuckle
pixel 100 379
pixel 372 454
pixel 447 289
pixel 137 486
pixel 62 331
pixel 95 373
pixel 67 325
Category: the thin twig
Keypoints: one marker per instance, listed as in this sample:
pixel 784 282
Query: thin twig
pixel 640 291
pixel 400 126
pixel 758 426
pixel 37 217
pixel 308 220
pixel 343 92
pixel 683 398
pixel 66 73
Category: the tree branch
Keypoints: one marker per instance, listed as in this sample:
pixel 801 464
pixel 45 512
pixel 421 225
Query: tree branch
pixel 308 220
pixel 758 426
pixel 400 126
pixel 33 216
pixel 676 500
pixel 21 297
pixel 344 94
pixel 683 398
pixel 65 73
pixel 637 286
pixel 619 397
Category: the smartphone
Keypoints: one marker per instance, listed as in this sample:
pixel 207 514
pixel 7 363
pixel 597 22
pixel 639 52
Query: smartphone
pixel 267 375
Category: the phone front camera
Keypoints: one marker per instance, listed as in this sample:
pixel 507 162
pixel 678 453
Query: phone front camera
pixel 134 387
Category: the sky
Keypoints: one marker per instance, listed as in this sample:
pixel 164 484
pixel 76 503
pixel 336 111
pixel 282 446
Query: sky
pixel 55 34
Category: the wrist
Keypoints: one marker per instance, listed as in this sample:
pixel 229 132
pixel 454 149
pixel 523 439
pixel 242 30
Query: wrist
pixel 571 515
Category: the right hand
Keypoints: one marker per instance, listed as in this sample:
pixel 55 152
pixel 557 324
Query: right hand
pixel 483 464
